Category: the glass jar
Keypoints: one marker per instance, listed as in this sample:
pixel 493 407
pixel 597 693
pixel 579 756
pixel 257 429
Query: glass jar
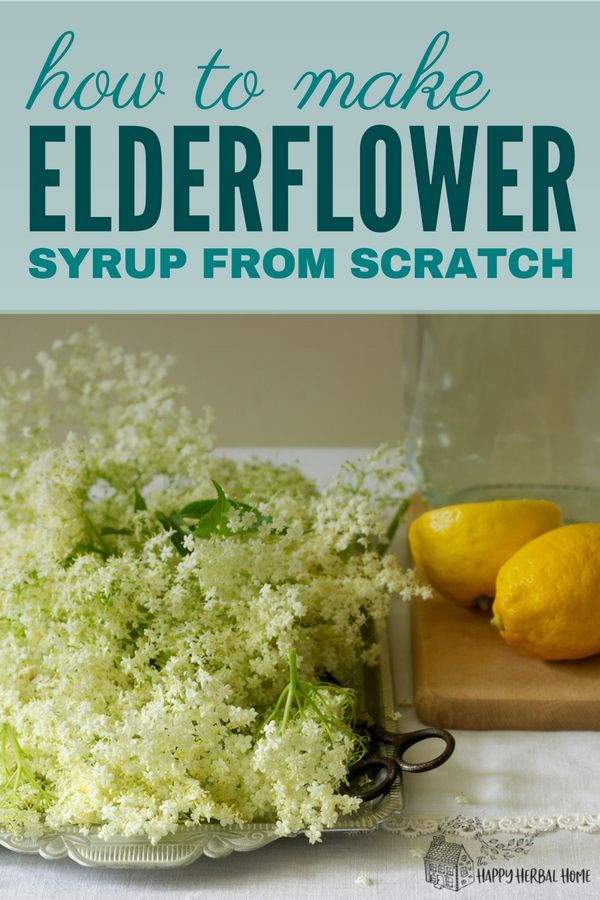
pixel 507 406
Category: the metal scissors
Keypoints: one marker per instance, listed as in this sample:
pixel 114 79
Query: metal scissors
pixel 382 771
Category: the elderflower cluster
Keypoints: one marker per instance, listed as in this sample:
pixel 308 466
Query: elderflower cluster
pixel 139 665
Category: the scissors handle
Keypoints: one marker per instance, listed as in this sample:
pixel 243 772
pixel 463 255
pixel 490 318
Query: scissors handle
pixel 402 742
pixel 380 772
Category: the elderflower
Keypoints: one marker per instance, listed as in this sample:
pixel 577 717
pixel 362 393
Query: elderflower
pixel 152 595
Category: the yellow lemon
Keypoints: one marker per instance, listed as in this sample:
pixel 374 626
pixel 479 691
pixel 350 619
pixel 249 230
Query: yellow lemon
pixel 548 595
pixel 460 549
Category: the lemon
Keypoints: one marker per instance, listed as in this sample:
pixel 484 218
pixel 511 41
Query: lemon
pixel 548 595
pixel 460 549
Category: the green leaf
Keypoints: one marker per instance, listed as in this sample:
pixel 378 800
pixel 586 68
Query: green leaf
pixel 177 539
pixel 259 519
pixel 164 520
pixel 178 529
pixel 211 516
pixel 197 509
pixel 82 548
pixel 178 523
pixel 215 520
pixel 140 503
pixel 108 530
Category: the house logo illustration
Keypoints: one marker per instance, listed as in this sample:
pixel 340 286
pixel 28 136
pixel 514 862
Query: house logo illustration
pixel 448 865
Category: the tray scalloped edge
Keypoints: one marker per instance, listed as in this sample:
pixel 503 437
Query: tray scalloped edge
pixel 186 844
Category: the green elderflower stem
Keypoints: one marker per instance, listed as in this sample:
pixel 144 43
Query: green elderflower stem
pixel 19 773
pixel 306 696
pixel 390 534
pixel 292 690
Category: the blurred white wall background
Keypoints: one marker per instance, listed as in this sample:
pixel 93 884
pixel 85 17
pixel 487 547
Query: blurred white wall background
pixel 346 380
pixel 284 380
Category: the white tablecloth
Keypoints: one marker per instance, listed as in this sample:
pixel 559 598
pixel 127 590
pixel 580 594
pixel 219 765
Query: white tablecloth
pixel 541 789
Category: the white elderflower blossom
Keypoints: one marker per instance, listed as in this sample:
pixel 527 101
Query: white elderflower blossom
pixel 151 597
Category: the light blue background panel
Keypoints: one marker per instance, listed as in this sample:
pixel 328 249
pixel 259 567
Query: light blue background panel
pixel 538 61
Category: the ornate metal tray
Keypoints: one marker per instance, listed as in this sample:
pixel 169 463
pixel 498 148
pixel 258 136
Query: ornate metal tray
pixel 215 841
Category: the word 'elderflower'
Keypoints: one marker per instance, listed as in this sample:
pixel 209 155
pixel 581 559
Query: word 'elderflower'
pixel 151 597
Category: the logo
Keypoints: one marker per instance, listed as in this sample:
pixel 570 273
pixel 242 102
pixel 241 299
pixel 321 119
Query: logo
pixel 448 865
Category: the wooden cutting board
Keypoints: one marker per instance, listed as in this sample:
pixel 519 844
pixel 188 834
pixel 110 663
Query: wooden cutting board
pixel 465 676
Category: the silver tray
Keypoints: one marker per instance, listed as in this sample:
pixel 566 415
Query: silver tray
pixel 187 844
